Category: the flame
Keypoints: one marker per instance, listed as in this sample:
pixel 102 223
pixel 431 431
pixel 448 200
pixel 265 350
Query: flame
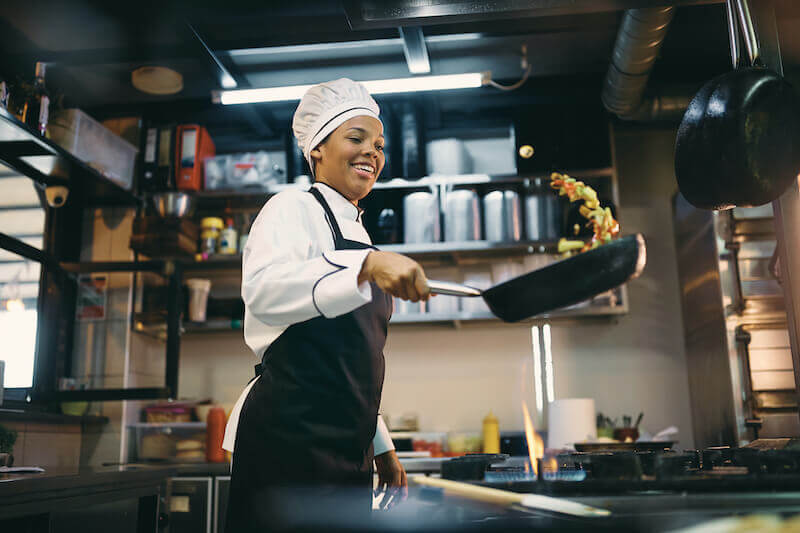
pixel 535 443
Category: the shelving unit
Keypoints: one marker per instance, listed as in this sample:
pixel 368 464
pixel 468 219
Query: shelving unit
pixel 438 254
pixel 32 155
pixel 254 198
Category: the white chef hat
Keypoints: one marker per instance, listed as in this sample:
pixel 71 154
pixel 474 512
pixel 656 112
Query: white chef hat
pixel 325 107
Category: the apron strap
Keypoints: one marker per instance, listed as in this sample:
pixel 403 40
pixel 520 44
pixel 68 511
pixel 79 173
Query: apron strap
pixel 338 238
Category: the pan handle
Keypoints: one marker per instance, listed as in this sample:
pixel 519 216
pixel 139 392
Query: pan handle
pixel 749 31
pixel 451 289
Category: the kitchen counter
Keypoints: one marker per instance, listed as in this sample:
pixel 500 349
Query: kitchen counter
pixel 49 501
pixel 20 415
pixel 412 465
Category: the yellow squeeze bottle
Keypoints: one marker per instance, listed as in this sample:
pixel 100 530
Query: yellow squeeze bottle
pixel 491 434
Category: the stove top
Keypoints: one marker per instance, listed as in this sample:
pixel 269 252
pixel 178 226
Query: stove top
pixel 718 469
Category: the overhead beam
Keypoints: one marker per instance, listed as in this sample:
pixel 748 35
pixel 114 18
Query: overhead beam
pixel 415 50
pixel 226 80
pixel 377 14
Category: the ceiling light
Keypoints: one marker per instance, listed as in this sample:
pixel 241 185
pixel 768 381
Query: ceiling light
pixel 397 85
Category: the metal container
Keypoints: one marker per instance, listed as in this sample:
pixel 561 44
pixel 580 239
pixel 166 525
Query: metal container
pixel 421 218
pixel 462 216
pixel 173 204
pixel 542 214
pixel 503 216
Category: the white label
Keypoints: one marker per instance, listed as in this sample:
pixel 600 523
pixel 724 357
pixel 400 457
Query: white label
pixel 179 504
pixel 150 147
pixel 188 142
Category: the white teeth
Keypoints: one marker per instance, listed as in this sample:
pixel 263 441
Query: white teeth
pixel 365 168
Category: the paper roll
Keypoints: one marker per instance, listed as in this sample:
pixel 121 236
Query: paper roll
pixel 570 420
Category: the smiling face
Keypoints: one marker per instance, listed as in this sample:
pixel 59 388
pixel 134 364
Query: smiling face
pixel 351 158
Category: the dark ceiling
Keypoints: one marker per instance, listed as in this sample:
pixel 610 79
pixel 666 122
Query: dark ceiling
pixel 92 46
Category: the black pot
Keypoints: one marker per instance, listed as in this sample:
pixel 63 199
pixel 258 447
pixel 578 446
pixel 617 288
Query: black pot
pixel 470 467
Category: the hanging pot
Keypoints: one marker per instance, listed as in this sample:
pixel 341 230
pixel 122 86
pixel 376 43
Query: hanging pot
pixel 739 141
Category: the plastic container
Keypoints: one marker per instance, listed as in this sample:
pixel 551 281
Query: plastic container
pixel 215 431
pixel 212 223
pixel 491 434
pixel 448 157
pixel 95 145
pixel 198 298
pixel 168 413
pixel 183 442
pixel 229 239
pixel 259 170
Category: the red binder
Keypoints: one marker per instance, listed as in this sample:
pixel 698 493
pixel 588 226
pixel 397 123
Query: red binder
pixel 193 145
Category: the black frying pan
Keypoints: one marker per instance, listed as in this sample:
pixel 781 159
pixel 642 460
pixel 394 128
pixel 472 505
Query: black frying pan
pixel 739 141
pixel 566 282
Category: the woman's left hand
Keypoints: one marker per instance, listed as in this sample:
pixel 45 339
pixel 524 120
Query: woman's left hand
pixel 392 480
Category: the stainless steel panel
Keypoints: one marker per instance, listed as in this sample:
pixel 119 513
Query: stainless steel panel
pixel 771 359
pixel 772 380
pixel 708 359
pixel 768 338
pixel 777 425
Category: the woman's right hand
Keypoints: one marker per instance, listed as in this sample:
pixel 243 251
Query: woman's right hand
pixel 396 274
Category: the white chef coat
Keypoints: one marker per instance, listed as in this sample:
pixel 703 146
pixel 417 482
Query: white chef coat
pixel 292 273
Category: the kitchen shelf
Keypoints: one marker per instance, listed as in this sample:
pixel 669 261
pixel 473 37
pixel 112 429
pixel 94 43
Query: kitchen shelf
pixel 178 425
pixel 254 198
pixel 40 159
pixel 223 325
pixel 452 252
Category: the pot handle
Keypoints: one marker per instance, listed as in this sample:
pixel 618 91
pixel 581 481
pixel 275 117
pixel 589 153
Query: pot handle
pixel 733 32
pixel 749 31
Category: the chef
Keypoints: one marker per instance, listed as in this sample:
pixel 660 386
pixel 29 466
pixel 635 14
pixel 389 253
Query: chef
pixel 317 300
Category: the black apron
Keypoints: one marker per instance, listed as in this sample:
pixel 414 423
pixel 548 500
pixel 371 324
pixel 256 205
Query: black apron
pixel 303 444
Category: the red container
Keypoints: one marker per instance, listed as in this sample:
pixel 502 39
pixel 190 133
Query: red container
pixel 215 431
pixel 193 146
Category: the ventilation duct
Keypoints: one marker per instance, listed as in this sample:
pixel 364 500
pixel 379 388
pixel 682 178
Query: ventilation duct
pixel 639 40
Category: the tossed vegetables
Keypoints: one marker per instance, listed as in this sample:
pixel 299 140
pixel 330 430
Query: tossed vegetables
pixel 604 227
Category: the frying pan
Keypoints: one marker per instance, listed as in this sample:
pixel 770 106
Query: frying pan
pixel 563 283
pixel 739 141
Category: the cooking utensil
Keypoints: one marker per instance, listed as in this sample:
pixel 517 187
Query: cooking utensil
pixel 471 466
pixel 462 216
pixel 542 213
pixel 638 420
pixel 739 141
pixel 173 204
pixel 502 216
pixel 560 284
pixel 421 218
pixel 507 498
pixel 642 446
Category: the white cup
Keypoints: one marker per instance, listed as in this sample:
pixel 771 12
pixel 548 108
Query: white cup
pixel 198 298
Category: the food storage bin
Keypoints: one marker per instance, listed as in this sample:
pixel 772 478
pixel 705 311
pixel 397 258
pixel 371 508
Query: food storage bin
pixel 182 442
pixel 95 145
pixel 257 170
pixel 168 413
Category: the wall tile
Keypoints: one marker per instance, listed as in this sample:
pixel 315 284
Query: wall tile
pixel 54 450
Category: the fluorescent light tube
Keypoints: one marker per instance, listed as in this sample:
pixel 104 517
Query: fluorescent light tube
pixel 397 85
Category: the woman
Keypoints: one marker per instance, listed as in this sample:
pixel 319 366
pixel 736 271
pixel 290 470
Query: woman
pixel 317 305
